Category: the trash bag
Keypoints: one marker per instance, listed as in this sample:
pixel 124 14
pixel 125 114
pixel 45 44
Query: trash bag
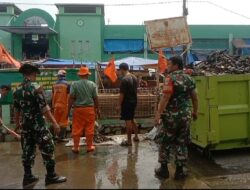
pixel 151 135
pixel 154 133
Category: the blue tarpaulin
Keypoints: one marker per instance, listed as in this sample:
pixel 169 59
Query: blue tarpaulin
pixel 246 50
pixel 123 45
pixel 65 62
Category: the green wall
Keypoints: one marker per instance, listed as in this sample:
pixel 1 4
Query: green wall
pixel 90 31
pixel 197 31
pixel 205 37
pixel 6 19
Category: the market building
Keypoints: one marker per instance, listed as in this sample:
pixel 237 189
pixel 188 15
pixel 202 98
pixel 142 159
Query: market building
pixel 80 33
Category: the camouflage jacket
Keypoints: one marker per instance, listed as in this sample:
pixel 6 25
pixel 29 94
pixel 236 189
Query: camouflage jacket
pixel 181 86
pixel 30 101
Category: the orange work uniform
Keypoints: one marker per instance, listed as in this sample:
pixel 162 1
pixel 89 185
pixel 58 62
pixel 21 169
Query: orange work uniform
pixel 84 93
pixel 60 102
pixel 83 121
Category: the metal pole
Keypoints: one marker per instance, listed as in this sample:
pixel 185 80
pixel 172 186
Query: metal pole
pixel 185 13
pixel 145 46
pixel 99 75
pixel 81 50
pixel 73 51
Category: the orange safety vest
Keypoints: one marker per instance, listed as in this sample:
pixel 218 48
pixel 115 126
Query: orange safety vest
pixel 60 95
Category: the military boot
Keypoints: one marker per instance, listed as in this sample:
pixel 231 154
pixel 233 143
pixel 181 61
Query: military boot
pixel 29 178
pixel 162 172
pixel 54 178
pixel 180 173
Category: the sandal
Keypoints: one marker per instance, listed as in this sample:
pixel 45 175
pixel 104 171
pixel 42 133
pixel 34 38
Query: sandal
pixel 125 143
pixel 136 139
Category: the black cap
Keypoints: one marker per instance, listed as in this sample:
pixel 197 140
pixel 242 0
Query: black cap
pixel 124 66
pixel 177 60
pixel 28 69
pixel 5 86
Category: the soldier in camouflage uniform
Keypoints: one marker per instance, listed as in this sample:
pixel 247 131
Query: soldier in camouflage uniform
pixel 178 90
pixel 29 101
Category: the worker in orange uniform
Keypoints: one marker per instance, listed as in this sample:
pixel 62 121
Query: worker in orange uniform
pixel 84 99
pixel 60 95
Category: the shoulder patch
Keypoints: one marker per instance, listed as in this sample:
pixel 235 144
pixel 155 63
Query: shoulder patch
pixel 168 86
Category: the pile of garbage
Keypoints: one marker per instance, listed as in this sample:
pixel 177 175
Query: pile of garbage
pixel 221 63
pixel 99 138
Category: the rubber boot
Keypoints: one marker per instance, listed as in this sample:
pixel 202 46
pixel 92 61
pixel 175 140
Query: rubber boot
pixel 29 178
pixel 53 178
pixel 89 142
pixel 61 137
pixel 76 147
pixel 180 173
pixel 162 171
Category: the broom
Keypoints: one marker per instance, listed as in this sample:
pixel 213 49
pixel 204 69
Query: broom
pixel 13 133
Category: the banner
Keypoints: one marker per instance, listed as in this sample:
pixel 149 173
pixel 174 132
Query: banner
pixel 47 78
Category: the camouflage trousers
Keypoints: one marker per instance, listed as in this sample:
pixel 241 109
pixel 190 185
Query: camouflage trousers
pixel 175 135
pixel 41 136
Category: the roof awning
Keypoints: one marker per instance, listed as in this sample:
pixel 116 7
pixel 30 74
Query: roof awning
pixel 28 29
pixel 240 43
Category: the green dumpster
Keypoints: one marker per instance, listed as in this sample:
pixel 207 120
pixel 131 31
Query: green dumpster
pixel 224 112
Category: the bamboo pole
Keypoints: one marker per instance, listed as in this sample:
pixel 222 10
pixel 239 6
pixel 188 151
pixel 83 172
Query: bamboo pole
pixel 99 76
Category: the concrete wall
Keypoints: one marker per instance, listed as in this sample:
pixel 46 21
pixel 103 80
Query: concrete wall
pixel 6 19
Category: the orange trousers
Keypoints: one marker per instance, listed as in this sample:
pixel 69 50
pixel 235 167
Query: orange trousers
pixel 61 116
pixel 83 121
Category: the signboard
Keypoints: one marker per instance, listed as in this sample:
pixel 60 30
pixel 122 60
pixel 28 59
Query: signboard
pixel 168 33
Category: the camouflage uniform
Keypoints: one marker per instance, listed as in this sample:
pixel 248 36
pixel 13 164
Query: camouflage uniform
pixel 175 132
pixel 29 99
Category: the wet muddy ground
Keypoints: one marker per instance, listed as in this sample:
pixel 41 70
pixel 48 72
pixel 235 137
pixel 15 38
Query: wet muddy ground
pixel 115 167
